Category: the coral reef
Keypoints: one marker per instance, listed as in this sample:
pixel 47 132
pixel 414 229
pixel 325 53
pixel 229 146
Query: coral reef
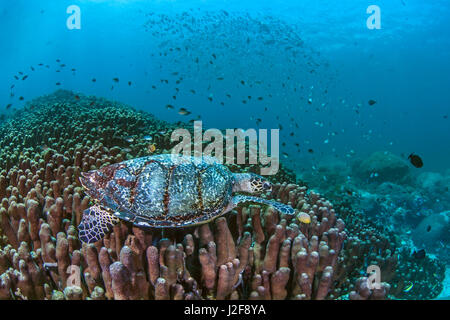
pixel 256 254
pixel 433 234
pixel 376 243
pixel 406 213
pixel 363 292
pixel 252 253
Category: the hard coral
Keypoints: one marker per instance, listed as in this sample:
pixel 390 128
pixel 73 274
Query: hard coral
pixel 252 253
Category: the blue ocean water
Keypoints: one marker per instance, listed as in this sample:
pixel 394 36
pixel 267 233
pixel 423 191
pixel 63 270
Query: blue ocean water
pixel 403 66
pixel 309 68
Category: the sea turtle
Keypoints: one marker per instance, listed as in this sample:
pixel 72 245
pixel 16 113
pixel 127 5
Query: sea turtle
pixel 166 191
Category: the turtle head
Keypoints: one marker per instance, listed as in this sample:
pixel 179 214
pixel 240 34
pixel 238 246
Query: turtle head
pixel 251 183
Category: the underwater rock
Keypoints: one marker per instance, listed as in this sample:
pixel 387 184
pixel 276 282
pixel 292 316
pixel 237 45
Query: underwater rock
pixel 382 167
pixel 433 232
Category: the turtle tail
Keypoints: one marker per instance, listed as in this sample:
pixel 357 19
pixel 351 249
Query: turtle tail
pixel 95 224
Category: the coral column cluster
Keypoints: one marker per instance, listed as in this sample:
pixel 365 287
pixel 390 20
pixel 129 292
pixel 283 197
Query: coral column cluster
pixel 250 253
pixel 253 253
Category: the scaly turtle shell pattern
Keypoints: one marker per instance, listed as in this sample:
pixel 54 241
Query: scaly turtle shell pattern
pixel 163 190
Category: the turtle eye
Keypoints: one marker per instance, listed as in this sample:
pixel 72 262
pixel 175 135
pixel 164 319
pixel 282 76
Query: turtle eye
pixel 267 186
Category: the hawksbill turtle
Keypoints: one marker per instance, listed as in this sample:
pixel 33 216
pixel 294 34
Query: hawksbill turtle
pixel 166 191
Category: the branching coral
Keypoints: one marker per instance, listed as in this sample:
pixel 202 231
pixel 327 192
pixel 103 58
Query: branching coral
pixel 251 253
pixel 255 254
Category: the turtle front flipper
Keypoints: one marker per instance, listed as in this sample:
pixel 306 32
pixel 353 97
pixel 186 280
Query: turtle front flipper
pixel 95 224
pixel 283 208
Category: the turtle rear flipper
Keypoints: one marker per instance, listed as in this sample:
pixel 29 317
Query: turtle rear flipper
pixel 283 208
pixel 95 224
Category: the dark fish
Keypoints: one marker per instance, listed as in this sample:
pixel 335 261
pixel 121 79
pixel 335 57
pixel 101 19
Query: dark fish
pixel 428 228
pixel 16 77
pixel 63 65
pixel 21 73
pixel 74 69
pixel 242 82
pixel 9 106
pixel 445 117
pixel 116 80
pixel 20 98
pixel 220 78
pixel 260 98
pixel 94 80
pixel 184 112
pixel 371 102
pixel 169 106
pixel 415 160
pixel 58 83
pixel 57 60
pixel 24 77
pixel 129 83
pixel 310 150
pixel 32 69
pixel 40 64
pixel 77 97
pixel 419 254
